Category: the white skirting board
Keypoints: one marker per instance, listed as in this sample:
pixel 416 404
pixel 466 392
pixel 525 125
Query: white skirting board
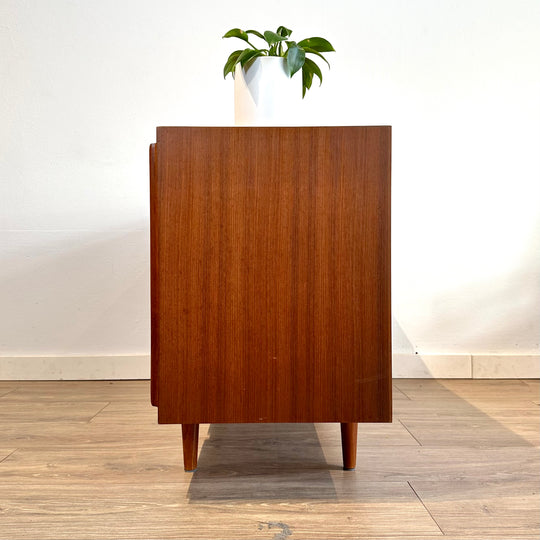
pixel 465 366
pixel 73 368
pixel 415 366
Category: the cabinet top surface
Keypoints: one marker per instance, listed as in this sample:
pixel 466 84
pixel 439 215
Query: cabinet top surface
pixel 165 131
pixel 274 127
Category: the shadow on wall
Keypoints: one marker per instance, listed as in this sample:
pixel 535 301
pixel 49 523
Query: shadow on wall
pixel 406 362
pixel 400 342
pixel 75 292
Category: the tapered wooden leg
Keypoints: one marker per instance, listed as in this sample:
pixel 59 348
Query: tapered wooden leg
pixel 190 443
pixel 349 435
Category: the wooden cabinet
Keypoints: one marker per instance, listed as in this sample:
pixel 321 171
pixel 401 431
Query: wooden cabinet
pixel 270 277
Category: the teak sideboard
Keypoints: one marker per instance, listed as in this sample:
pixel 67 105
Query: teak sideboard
pixel 270 277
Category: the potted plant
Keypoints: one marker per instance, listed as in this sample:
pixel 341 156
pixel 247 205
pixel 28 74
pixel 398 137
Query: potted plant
pixel 264 92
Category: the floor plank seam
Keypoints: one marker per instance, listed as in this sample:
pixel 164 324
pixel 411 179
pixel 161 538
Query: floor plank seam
pixel 404 393
pixel 410 433
pixel 99 412
pixel 427 509
pixel 9 455
pixel 401 392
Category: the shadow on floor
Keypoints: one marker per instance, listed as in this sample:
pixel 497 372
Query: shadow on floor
pixel 251 454
pixel 290 461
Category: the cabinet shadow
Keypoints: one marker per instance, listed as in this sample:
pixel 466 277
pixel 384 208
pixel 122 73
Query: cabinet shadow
pixel 262 461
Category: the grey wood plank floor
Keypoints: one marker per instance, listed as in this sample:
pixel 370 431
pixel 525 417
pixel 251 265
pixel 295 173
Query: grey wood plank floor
pixel 87 460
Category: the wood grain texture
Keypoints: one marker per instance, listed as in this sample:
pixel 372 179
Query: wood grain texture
pixel 4 453
pixel 272 274
pixel 5 390
pixel 473 414
pixel 75 411
pixel 511 509
pixel 152 511
pixel 119 474
pixel 76 391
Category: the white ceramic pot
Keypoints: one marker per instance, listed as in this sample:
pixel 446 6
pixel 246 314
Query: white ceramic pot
pixel 265 95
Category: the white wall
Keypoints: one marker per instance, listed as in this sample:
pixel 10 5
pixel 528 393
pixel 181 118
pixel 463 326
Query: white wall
pixel 84 83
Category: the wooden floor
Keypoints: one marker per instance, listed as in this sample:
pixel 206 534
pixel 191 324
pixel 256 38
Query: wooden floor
pixel 87 460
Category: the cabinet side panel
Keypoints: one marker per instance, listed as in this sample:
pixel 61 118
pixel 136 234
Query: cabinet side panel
pixel 373 269
pixel 273 268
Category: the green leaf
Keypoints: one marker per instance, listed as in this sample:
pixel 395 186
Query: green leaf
pixel 236 32
pixel 318 44
pixel 295 53
pixel 313 51
pixel 231 62
pixel 307 79
pixel 255 33
pixel 282 31
pixel 247 55
pixel 313 68
pixel 296 57
pixel 272 37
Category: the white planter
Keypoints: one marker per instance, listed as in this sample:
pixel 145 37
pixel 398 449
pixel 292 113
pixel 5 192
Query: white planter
pixel 265 95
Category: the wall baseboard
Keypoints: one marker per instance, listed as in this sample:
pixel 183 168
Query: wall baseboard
pixel 72 368
pixel 436 366
pixel 465 366
pixel 413 366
